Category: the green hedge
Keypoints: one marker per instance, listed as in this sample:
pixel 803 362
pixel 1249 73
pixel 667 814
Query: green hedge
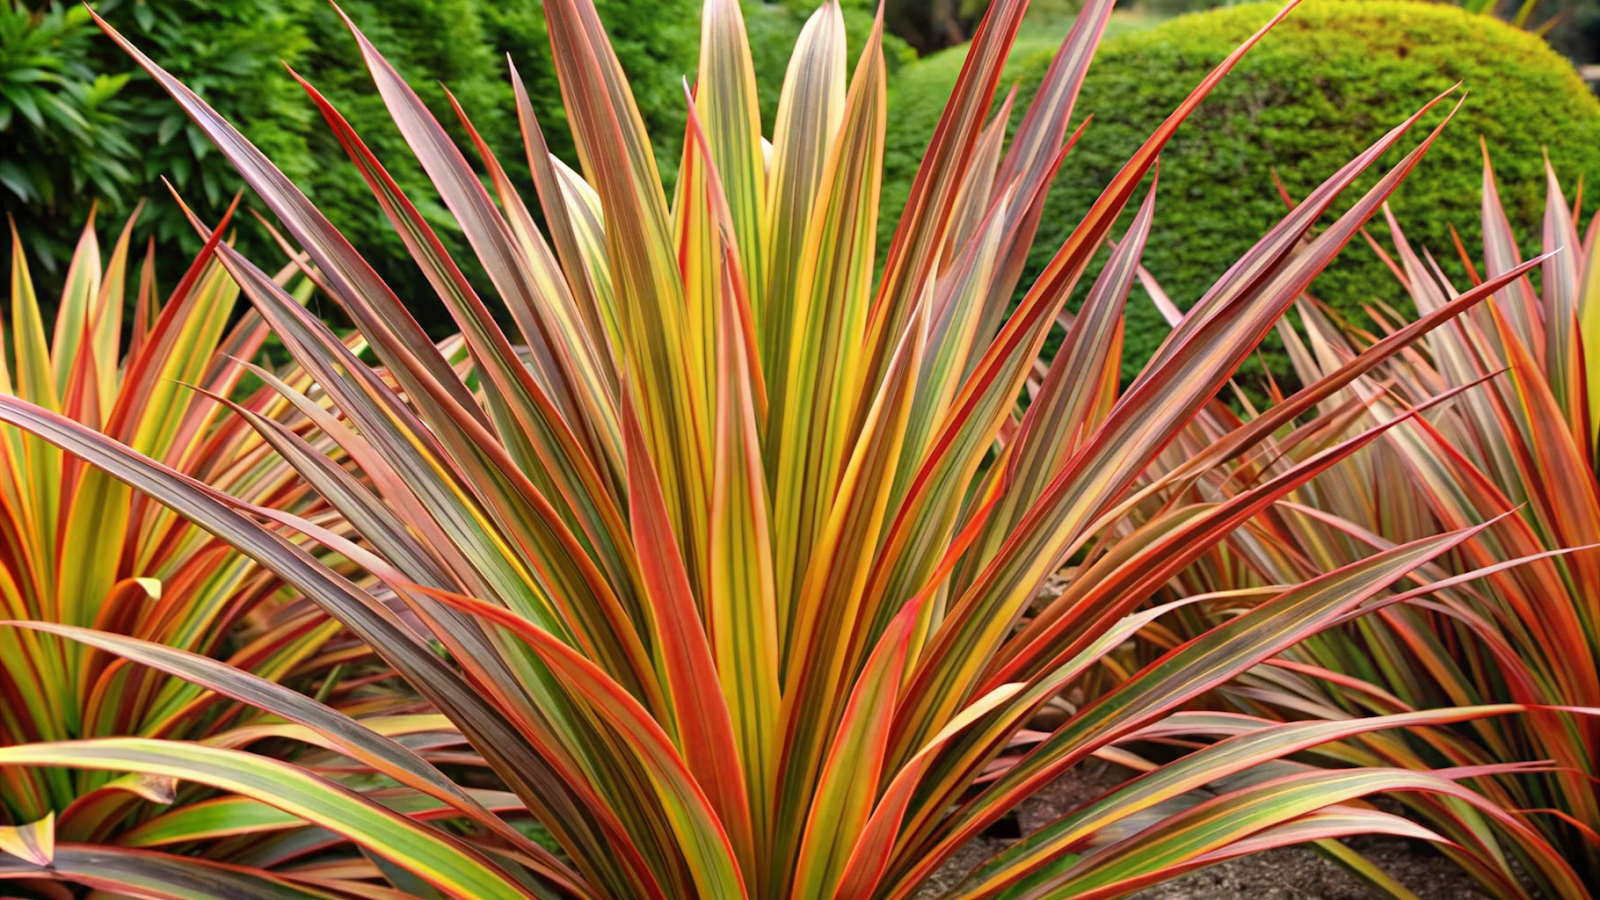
pixel 1330 79
pixel 61 123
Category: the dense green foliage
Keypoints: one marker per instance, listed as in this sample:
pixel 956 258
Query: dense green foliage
pixel 1329 80
pixel 102 133
pixel 61 124
pixel 77 135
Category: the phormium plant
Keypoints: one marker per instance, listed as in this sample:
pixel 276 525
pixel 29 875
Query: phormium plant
pixel 719 555
pixel 79 550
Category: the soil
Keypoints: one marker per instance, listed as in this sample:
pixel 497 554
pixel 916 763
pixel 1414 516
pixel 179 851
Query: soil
pixel 1291 873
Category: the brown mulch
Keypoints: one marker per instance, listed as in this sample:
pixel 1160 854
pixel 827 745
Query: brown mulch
pixel 1291 873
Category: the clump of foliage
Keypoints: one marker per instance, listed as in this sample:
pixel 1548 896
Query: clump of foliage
pixel 1517 449
pixel 106 133
pixel 88 563
pixel 1317 90
pixel 92 132
pixel 731 543
pixel 61 122
pixel 1519 13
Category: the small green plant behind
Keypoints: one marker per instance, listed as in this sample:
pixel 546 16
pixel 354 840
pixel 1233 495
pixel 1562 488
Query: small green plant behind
pixel 729 543
pixel 1518 13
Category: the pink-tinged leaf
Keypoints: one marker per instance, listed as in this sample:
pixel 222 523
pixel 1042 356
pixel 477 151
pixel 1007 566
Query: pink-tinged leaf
pixel 1067 408
pixel 913 253
pixel 819 671
pixel 146 874
pixel 710 855
pixel 73 326
pixel 1563 350
pixel 581 342
pixel 810 111
pixel 741 606
pixel 976 198
pixel 1517 302
pixel 34 842
pixel 974 421
pixel 731 118
pixel 1028 160
pixel 569 365
pixel 816 378
pixel 870 857
pixel 1194 363
pixel 599 318
pixel 657 336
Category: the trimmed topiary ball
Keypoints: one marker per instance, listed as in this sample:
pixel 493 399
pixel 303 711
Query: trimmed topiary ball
pixel 1326 83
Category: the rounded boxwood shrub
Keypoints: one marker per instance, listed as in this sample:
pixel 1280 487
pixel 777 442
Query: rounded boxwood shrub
pixel 1328 81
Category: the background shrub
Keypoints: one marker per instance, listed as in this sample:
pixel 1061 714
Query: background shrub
pixel 84 126
pixel 110 134
pixel 61 123
pixel 1329 80
pixel 229 50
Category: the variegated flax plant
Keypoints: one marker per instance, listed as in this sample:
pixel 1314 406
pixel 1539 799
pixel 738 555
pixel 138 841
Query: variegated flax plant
pixel 719 555
pixel 79 550
pixel 1522 440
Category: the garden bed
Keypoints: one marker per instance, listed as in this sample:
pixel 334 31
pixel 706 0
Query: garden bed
pixel 1291 873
